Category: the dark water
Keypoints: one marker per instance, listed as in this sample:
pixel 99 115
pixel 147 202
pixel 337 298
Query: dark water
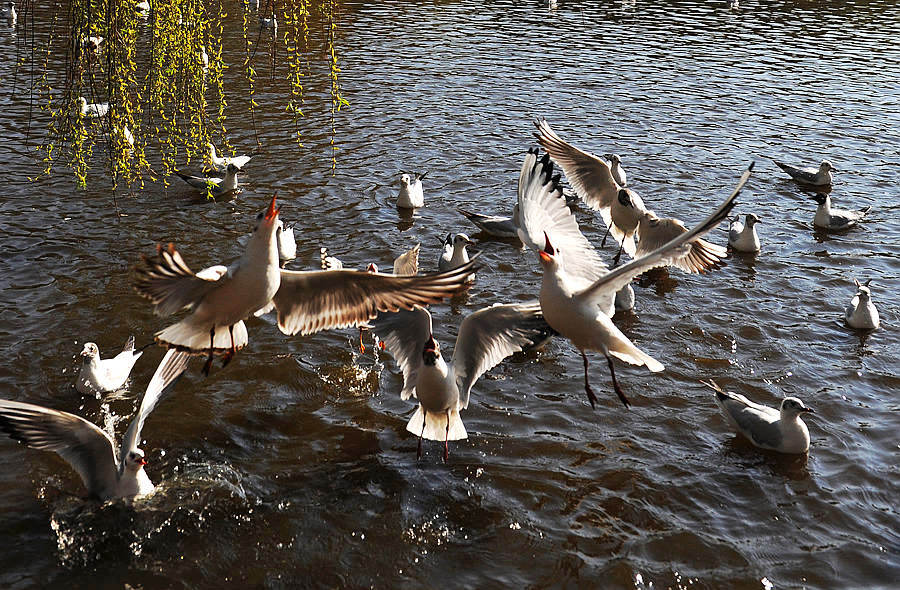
pixel 292 467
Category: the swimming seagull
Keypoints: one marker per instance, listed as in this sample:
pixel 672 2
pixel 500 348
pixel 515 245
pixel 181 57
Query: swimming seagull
pixel 767 428
pixel 306 301
pixel 287 244
pixel 88 449
pixel 222 162
pixel 615 167
pixel 580 310
pixel 861 313
pixel 485 338
pixel 142 6
pixel 215 186
pixel 835 219
pixel 103 375
pixel 820 176
pixel 454 253
pixel 92 110
pixel 742 236
pixel 411 195
pixel 494 225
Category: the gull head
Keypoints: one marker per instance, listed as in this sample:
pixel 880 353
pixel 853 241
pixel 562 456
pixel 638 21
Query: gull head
pixel 862 290
pixel 791 407
pixel 268 219
pixel 431 352
pixel 232 169
pixel 752 219
pixel 820 198
pixel 134 460
pixel 460 241
pixel 826 166
pixel 90 351
pixel 547 256
pixel 405 180
pixel 614 158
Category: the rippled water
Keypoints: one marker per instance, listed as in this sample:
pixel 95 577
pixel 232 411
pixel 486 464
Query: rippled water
pixel 292 467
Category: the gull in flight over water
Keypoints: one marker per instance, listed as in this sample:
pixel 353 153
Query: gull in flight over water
pixel 217 187
pixel 820 176
pixel 222 162
pixel 87 448
pixel 485 338
pixel 776 430
pixel 220 297
pixel 742 236
pixel 411 195
pixel 861 313
pixel 835 219
pixel 104 375
pixel 92 110
pixel 577 308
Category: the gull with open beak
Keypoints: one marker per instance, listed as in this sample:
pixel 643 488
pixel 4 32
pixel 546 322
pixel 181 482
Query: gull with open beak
pixel 579 310
pixel 485 338
pixel 306 301
pixel 89 450
pixel 103 375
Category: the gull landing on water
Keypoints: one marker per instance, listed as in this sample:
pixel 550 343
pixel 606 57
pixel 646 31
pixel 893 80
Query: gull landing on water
pixel 861 313
pixel 411 194
pixel 835 219
pixel 89 450
pixel 104 375
pixel 779 430
pixel 742 236
pixel 485 338
pixel 820 176
pixel 306 301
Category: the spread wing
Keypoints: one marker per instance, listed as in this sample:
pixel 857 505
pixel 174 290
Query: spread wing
pixel 170 285
pixel 407 264
pixel 489 335
pixel 669 252
pixel 404 335
pixel 170 369
pixel 310 301
pixel 84 446
pixel 589 175
pixel 542 208
pixel 699 257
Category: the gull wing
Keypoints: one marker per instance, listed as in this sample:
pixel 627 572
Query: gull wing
pixel 654 232
pixel 310 301
pixel 407 264
pixel 757 422
pixel 170 369
pixel 404 334
pixel 668 253
pixel 199 182
pixel 170 285
pixel 590 176
pixel 542 208
pixel 491 334
pixel 85 447
pixel 804 175
pixel 493 225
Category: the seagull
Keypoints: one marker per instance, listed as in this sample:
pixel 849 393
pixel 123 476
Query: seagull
pixel 213 185
pixel 454 253
pixel 204 61
pixel 411 195
pixel 861 313
pixel 222 162
pixel 615 167
pixel 810 176
pixel 835 219
pixel 9 13
pixel 625 298
pixel 742 236
pixel 497 226
pixel 485 338
pixel 88 449
pixel 626 213
pixel 767 428
pixel 92 110
pixel 287 245
pixel 654 231
pixel 579 310
pixel 306 301
pixel 103 375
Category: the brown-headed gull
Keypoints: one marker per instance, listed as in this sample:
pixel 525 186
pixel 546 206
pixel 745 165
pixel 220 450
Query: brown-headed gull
pixel 104 375
pixel 578 309
pixel 485 338
pixel 835 219
pixel 742 236
pixel 861 313
pixel 306 301
pixel 779 430
pixel 820 176
pixel 222 162
pixel 411 195
pixel 107 475
pixel 217 187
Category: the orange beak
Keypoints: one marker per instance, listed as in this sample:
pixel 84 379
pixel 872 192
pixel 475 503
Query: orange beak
pixel 544 256
pixel 143 462
pixel 272 211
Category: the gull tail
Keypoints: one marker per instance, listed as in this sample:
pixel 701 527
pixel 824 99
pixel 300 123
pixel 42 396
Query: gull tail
pixel 188 336
pixel 436 425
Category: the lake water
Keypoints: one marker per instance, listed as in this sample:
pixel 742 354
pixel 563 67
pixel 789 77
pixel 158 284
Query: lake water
pixel 292 467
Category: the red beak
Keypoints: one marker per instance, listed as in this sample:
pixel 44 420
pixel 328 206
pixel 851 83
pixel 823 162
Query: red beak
pixel 143 462
pixel 272 211
pixel 431 344
pixel 547 253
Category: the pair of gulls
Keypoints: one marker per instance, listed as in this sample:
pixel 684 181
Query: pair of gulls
pixel 218 186
pixel 826 217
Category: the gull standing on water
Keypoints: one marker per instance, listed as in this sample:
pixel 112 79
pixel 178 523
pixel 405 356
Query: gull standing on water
pixel 861 313
pixel 104 375
pixel 742 236
pixel 485 338
pixel 306 301
pixel 835 219
pixel 217 187
pixel 776 430
pixel 411 194
pixel 89 450
pixel 580 310
pixel 820 176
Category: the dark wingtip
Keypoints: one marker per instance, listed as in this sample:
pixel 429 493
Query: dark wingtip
pixel 752 164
